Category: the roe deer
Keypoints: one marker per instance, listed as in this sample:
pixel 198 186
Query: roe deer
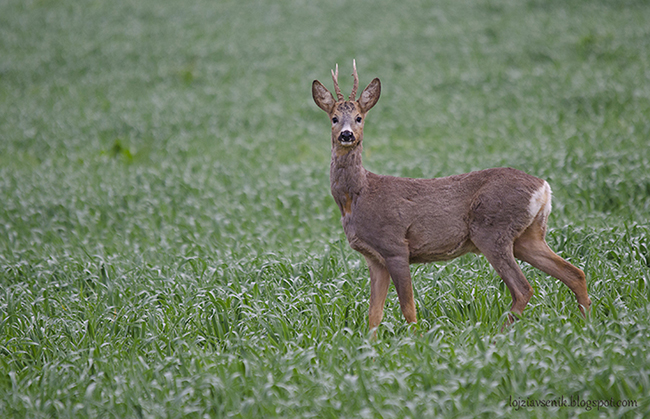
pixel 393 221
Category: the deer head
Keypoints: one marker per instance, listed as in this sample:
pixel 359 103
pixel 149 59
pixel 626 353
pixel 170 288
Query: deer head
pixel 347 116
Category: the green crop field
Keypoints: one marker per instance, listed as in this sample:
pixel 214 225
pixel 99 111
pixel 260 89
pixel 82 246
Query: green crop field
pixel 169 246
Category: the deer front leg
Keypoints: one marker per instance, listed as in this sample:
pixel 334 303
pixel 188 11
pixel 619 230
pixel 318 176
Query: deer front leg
pixel 398 267
pixel 379 282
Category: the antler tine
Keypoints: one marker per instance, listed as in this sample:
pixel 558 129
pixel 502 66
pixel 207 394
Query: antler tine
pixel 355 87
pixel 337 89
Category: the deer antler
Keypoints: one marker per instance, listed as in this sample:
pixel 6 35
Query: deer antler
pixel 353 95
pixel 337 89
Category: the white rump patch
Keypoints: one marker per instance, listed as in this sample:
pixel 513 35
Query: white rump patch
pixel 540 201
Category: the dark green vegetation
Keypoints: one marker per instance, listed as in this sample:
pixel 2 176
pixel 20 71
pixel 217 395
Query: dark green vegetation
pixel 169 247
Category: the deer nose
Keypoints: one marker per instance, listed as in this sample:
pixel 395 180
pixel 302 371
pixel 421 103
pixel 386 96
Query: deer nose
pixel 347 136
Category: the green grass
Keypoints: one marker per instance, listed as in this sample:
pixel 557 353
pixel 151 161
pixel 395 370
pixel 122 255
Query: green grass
pixel 169 247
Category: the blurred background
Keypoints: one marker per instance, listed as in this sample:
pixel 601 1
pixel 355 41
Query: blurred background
pixel 113 104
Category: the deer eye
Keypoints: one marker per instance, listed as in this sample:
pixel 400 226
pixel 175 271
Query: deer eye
pixel 358 119
pixel 335 120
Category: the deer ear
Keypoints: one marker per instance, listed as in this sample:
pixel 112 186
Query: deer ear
pixel 322 96
pixel 370 95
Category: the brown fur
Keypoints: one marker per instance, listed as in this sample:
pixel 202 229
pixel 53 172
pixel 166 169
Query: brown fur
pixel 397 221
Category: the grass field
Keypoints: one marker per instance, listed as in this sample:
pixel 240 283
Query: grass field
pixel 169 246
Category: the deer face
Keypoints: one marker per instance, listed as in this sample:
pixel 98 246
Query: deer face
pixel 347 116
pixel 347 124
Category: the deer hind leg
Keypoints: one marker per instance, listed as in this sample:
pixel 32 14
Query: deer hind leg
pixel 503 261
pixel 379 283
pixel 398 267
pixel 499 253
pixel 532 248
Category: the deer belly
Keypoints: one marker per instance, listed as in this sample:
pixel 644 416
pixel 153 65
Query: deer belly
pixel 435 254
pixel 438 245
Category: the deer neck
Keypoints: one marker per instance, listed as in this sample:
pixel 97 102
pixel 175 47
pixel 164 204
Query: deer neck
pixel 348 177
